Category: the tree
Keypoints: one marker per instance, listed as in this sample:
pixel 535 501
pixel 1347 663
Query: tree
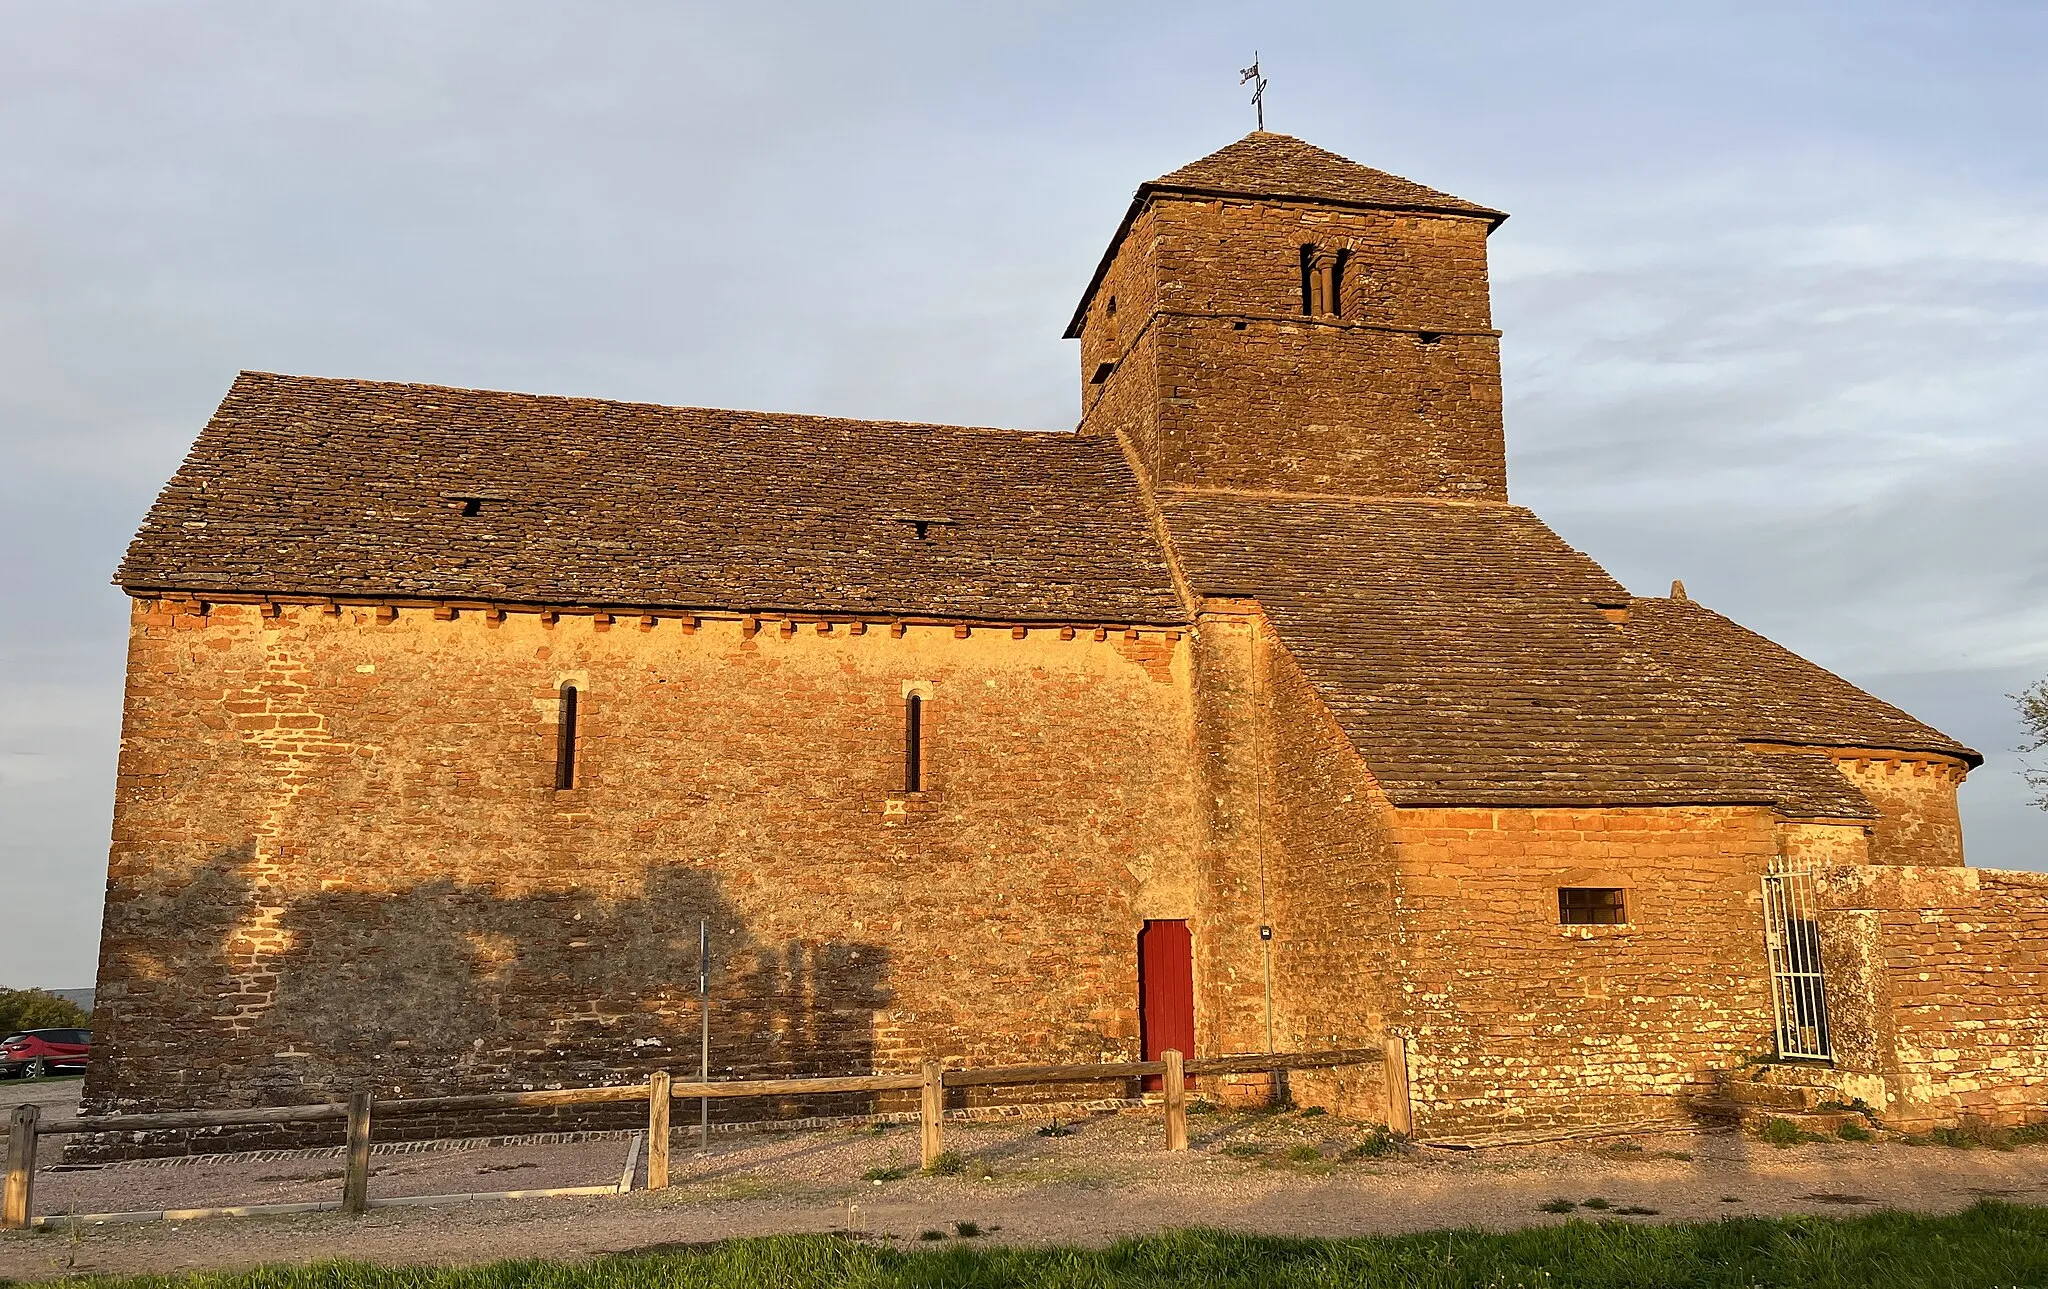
pixel 2033 702
pixel 22 1009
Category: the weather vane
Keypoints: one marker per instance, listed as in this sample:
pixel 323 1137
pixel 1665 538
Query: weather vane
pixel 1250 76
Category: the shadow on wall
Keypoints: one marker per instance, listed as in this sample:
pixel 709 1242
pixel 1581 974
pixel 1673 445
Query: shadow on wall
pixel 445 988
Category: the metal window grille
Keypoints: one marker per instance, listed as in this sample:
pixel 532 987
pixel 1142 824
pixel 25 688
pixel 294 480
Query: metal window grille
pixel 1798 987
pixel 1591 906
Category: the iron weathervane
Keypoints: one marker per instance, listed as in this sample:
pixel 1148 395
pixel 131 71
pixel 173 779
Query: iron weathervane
pixel 1250 76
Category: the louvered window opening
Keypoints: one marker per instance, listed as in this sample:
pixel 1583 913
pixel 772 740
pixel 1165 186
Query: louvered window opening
pixel 1798 985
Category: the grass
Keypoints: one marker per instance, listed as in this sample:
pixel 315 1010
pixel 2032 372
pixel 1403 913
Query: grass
pixel 1991 1244
pixel 1378 1143
pixel 1784 1132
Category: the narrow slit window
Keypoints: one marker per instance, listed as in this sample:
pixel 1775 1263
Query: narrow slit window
pixel 913 743
pixel 1591 906
pixel 565 741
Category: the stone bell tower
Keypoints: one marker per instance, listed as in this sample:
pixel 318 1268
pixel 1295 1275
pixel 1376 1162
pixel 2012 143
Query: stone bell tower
pixel 1274 318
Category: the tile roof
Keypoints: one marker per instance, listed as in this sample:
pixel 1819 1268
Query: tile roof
pixel 1463 651
pixel 1762 691
pixel 354 488
pixel 1263 164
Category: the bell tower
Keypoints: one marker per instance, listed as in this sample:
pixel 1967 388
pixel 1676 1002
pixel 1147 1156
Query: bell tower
pixel 1277 319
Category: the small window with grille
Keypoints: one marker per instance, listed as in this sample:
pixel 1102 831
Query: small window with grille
pixel 1591 906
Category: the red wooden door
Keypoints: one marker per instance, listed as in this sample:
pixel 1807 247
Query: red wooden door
pixel 1166 991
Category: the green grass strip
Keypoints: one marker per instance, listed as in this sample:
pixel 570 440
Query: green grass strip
pixel 1989 1245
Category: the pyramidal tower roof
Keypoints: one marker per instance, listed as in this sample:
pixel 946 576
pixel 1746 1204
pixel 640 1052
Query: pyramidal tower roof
pixel 1262 164
pixel 1281 167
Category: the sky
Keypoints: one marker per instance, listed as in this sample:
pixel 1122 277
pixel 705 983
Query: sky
pixel 1773 292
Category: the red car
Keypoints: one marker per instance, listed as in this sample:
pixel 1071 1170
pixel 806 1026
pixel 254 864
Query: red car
pixel 38 1052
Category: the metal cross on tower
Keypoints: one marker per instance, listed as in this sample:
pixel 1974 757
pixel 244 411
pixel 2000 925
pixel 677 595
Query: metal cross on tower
pixel 1250 75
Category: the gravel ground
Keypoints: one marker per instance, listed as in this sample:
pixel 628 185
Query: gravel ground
pixel 1110 1178
pixel 55 1096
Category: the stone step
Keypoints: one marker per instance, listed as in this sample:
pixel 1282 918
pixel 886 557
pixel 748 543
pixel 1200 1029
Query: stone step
pixel 1780 1096
pixel 1822 1123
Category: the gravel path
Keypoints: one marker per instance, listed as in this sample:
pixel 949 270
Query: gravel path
pixel 1110 1178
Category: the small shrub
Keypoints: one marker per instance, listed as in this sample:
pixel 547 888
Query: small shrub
pixel 1312 1112
pixel 1245 1150
pixel 1637 1210
pixel 931 1235
pixel 1952 1137
pixel 1853 1131
pixel 1204 1107
pixel 1055 1129
pixel 1597 1202
pixel 2031 1135
pixel 1558 1206
pixel 1377 1143
pixel 967 1230
pixel 1782 1133
pixel 1731 1199
pixel 947 1164
pixel 893 1173
pixel 1303 1154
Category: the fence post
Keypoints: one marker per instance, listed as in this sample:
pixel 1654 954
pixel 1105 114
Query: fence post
pixel 1399 1117
pixel 355 1186
pixel 657 1130
pixel 1176 1100
pixel 931 1112
pixel 19 1198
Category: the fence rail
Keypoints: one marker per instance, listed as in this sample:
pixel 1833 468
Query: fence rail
pixel 27 1127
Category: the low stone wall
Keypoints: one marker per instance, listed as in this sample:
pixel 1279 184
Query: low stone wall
pixel 1938 991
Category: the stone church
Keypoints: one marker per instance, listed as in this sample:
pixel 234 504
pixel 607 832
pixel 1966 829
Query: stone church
pixel 1251 715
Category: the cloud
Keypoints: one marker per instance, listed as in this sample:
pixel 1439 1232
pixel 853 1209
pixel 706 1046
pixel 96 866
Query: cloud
pixel 1771 292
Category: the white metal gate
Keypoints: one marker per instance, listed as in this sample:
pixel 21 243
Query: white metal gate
pixel 1798 989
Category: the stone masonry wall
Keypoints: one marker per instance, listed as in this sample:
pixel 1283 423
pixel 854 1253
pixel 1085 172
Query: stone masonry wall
pixel 1397 396
pixel 1337 945
pixel 1918 821
pixel 1937 976
pixel 339 858
pixel 1517 1020
pixel 1295 840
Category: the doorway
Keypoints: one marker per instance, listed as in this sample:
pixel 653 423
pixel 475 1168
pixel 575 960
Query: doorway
pixel 1166 992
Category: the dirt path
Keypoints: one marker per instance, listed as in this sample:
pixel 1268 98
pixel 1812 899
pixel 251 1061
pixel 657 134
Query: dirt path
pixel 1108 1179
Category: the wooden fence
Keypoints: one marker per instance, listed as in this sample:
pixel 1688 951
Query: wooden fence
pixel 27 1127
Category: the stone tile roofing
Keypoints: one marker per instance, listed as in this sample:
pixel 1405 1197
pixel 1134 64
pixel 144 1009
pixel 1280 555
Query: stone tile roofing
pixel 304 486
pixel 1463 650
pixel 1763 692
pixel 1263 164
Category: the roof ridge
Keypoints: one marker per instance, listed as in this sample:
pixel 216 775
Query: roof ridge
pixel 586 400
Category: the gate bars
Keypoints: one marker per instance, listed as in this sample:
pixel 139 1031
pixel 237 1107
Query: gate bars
pixel 1798 987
